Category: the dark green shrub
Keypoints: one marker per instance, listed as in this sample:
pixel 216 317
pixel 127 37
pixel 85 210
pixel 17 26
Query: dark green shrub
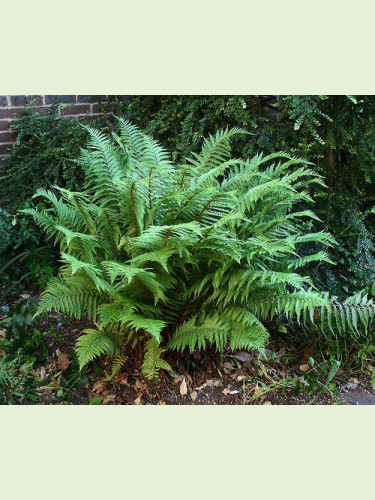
pixel 17 382
pixel 22 348
pixel 45 147
pixel 25 256
pixel 336 133
pixel 43 156
pixel 22 338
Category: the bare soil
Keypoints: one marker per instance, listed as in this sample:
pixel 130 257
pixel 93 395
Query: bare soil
pixel 277 377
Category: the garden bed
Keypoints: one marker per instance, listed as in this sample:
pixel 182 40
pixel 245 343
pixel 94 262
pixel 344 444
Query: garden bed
pixel 276 376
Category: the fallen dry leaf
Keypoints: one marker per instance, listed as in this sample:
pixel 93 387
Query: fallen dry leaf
pixel 121 378
pixel 201 387
pixel 267 403
pixel 304 368
pixel 2 333
pixel 138 400
pixel 99 387
pixel 109 398
pixel 50 387
pixel 215 382
pixel 64 361
pixel 242 356
pixel 241 377
pixel 138 385
pixel 194 395
pixel 183 388
pixel 42 372
pixel 354 380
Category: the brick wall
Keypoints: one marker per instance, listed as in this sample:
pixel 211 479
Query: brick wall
pixel 84 107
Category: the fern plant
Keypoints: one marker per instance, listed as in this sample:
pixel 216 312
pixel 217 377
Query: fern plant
pixel 189 256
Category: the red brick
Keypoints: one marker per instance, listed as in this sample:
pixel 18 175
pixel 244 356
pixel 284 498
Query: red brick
pixel 88 118
pixel 9 113
pixel 91 98
pixel 78 109
pixel 23 100
pixel 5 149
pixel 109 107
pixel 17 112
pixel 5 124
pixel 51 99
pixel 39 109
pixel 8 136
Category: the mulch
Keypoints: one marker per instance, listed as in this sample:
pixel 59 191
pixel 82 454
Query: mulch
pixel 240 378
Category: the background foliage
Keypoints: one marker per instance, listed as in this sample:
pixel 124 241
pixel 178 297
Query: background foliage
pixel 336 133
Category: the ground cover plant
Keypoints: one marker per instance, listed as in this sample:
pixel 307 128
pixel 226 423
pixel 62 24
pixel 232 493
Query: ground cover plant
pixel 189 256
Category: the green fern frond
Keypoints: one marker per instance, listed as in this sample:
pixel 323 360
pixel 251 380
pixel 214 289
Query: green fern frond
pixel 94 344
pixel 152 361
pixel 197 255
pixel 116 366
pixel 72 297
pixel 215 150
pixel 159 256
pixel 197 334
pixel 251 337
pixel 139 322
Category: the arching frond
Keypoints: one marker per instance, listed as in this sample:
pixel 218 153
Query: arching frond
pixel 194 256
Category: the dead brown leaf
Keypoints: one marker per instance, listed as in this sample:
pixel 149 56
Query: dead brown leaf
pixel 201 387
pixel 243 356
pixel 121 378
pixel 304 368
pixel 354 380
pixel 138 400
pixel 53 386
pixel 183 388
pixel 194 395
pixel 109 399
pixel 138 386
pixel 267 403
pixel 64 361
pixel 215 382
pixel 99 387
